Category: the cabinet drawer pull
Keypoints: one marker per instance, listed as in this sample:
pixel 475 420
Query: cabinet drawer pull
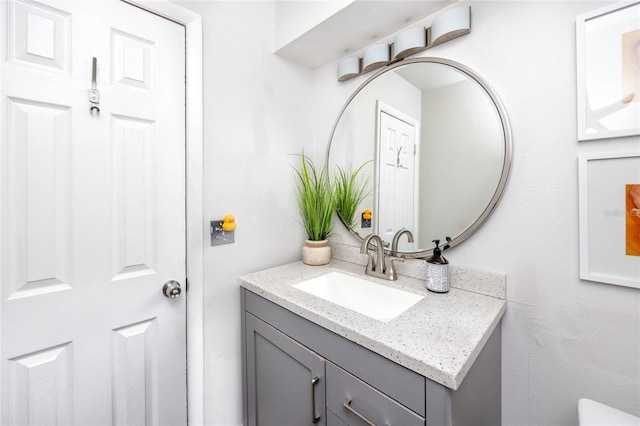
pixel 347 404
pixel 315 418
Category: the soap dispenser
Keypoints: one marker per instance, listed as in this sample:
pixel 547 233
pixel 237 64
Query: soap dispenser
pixel 438 270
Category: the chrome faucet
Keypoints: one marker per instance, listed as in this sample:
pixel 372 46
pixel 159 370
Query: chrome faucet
pixel 396 237
pixel 380 265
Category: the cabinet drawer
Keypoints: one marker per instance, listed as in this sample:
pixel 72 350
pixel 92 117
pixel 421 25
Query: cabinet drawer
pixel 373 405
pixel 334 420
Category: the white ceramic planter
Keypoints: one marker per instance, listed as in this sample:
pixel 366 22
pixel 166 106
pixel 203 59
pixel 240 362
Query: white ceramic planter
pixel 316 252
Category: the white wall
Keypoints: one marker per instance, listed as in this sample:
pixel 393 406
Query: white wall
pixel 563 338
pixel 257 112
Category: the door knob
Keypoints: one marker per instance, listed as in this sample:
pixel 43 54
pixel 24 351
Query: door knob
pixel 171 288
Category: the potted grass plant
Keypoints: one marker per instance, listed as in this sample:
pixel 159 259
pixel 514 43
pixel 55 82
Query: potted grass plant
pixel 315 197
pixel 349 190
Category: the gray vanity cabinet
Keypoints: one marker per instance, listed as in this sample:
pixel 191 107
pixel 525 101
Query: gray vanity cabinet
pixel 296 372
pixel 285 379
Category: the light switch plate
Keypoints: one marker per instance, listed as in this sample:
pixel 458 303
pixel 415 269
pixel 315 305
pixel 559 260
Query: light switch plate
pixel 219 236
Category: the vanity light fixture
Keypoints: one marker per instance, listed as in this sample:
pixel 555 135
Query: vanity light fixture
pixel 451 24
pixel 348 68
pixel 375 57
pixel 410 42
pixel 447 26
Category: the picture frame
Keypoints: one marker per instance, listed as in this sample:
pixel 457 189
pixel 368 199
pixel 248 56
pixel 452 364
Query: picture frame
pixel 608 72
pixel 609 221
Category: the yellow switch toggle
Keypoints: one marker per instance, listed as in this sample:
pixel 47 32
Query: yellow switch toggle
pixel 229 223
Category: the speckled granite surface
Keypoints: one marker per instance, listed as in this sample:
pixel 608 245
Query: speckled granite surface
pixel 439 337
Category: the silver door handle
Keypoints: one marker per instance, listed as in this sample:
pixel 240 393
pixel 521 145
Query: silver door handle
pixel 171 289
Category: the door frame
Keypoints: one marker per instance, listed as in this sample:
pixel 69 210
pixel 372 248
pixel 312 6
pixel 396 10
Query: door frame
pixel 195 223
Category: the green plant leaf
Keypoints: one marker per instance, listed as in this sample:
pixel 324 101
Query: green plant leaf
pixel 350 190
pixel 315 198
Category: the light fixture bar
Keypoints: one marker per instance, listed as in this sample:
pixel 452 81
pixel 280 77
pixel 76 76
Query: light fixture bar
pixel 450 24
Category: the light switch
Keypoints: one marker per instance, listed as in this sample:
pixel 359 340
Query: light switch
pixel 218 235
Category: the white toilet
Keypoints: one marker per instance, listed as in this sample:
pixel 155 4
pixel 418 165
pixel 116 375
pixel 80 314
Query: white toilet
pixel 592 413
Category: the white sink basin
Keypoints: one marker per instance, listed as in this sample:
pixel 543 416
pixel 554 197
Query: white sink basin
pixel 365 297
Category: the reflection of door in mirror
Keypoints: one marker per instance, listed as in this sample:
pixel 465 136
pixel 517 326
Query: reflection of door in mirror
pixel 397 171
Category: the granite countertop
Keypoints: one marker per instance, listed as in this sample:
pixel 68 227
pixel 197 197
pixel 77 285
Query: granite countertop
pixel 439 337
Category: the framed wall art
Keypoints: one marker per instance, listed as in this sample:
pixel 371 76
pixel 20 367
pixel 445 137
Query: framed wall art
pixel 609 191
pixel 608 72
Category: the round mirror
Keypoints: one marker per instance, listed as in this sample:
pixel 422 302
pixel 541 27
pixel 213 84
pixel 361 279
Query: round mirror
pixel 434 144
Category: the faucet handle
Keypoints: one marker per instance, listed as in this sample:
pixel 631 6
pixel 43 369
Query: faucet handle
pixel 390 270
pixel 371 262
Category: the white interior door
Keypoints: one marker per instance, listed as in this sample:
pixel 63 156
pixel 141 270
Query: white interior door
pixel 92 215
pixel 396 164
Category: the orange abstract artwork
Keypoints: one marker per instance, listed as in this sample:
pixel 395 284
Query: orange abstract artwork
pixel 633 219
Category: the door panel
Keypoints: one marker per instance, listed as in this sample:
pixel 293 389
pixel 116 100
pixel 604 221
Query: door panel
pixel 38 164
pixel 45 378
pixel 133 60
pixel 39 35
pixel 135 374
pixel 134 199
pixel 92 216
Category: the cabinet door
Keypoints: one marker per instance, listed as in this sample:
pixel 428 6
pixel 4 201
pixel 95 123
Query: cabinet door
pixel 285 380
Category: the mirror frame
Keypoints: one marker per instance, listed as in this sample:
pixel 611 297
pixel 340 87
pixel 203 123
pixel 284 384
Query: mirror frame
pixel 506 165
